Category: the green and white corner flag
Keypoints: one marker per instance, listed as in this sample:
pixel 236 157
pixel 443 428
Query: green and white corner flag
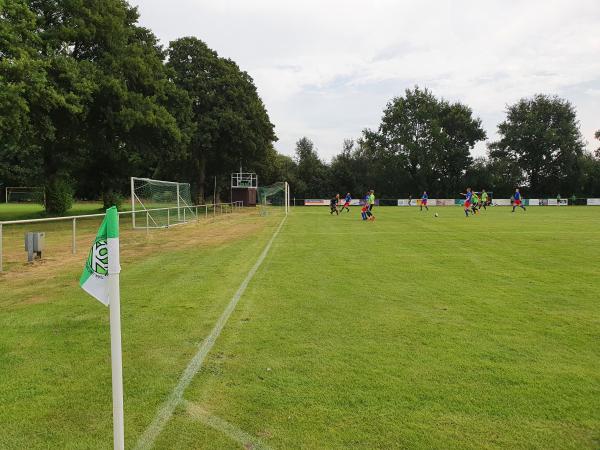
pixel 100 279
pixel 103 258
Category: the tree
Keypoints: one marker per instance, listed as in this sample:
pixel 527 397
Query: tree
pixel 312 172
pixel 230 123
pixel 429 139
pixel 590 180
pixel 129 126
pixel 277 167
pixel 42 100
pixel 541 135
pixel 597 136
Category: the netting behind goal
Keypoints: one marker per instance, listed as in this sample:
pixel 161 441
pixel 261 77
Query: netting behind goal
pixel 173 199
pixel 271 199
pixel 24 194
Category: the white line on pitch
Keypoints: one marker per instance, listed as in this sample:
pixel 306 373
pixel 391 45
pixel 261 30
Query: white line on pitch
pixel 231 431
pixel 165 412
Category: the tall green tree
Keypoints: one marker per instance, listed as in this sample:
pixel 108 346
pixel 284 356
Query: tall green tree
pixel 97 103
pixel 430 139
pixel 313 174
pixel 130 125
pixel 231 126
pixel 541 135
pixel 43 95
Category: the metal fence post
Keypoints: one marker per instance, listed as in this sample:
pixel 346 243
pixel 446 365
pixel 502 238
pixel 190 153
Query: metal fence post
pixel 1 268
pixel 74 245
pixel 205 211
pixel 168 217
pixel 184 221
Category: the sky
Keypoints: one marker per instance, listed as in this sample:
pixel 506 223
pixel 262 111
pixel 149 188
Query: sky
pixel 326 69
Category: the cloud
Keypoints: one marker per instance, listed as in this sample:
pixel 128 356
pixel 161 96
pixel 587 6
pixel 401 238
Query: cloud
pixel 327 68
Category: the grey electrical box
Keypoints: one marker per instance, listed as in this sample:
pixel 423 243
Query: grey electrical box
pixel 34 244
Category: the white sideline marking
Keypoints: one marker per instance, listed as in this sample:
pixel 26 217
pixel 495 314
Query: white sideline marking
pixel 231 431
pixel 165 412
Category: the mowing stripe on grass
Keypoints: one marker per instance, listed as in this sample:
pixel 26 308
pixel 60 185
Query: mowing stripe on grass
pixel 227 428
pixel 165 412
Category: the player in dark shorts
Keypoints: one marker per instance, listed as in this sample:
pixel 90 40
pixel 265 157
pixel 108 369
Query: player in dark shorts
pixel 347 200
pixel 484 199
pixel 518 201
pixel 333 203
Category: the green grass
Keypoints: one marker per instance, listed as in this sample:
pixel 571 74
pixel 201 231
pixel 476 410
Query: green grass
pixel 23 211
pixel 409 332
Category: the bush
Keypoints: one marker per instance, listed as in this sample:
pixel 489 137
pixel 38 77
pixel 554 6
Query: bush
pixel 59 196
pixel 112 198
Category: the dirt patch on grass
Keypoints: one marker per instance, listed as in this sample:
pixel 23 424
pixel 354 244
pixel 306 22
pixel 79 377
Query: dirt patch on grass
pixel 135 245
pixel 34 300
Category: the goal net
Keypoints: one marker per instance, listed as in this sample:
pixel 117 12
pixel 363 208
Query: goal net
pixel 158 204
pixel 25 194
pixel 273 199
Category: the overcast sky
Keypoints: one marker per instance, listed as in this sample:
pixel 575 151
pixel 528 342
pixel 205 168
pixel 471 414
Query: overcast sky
pixel 326 69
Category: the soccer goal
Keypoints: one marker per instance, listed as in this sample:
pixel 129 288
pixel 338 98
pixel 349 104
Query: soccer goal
pixel 274 199
pixel 159 204
pixel 25 194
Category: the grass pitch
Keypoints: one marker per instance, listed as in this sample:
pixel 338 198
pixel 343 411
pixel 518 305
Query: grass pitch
pixel 409 332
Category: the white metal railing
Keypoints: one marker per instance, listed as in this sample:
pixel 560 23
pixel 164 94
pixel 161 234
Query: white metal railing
pixel 195 208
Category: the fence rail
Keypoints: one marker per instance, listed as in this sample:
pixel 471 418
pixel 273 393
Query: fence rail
pixel 222 207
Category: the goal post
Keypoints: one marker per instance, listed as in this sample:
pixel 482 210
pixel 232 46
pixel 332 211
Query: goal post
pixel 25 194
pixel 159 203
pixel 273 199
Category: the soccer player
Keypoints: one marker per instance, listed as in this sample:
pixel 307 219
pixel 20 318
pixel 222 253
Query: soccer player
pixel 518 201
pixel 484 199
pixel 368 206
pixel 364 211
pixel 468 197
pixel 333 203
pixel 424 199
pixel 409 200
pixel 474 202
pixel 347 202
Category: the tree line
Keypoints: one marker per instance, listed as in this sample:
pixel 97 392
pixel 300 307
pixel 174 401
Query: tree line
pixel 424 144
pixel 89 98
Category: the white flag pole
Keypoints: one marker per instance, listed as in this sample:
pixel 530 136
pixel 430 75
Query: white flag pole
pixel 115 343
pixel 116 361
pixel 101 281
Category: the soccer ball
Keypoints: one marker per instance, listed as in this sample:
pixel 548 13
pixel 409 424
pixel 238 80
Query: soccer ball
pixel 436 214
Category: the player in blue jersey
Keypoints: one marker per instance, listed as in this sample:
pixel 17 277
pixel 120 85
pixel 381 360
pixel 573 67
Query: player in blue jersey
pixel 424 199
pixel 347 200
pixel 518 201
pixel 468 199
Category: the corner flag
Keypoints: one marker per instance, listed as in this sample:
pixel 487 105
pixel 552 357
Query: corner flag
pixel 100 279
pixel 103 256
